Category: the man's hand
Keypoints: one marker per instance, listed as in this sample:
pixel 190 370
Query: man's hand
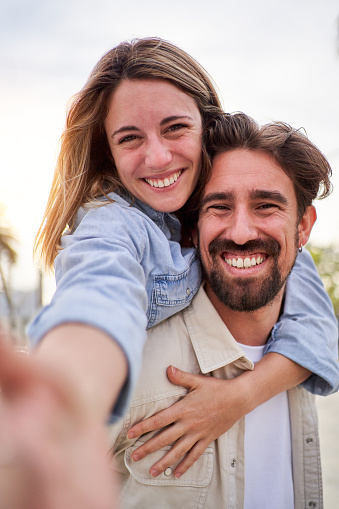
pixel 53 453
pixel 211 407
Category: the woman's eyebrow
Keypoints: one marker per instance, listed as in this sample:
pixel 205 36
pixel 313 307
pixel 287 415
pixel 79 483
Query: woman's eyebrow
pixel 174 117
pixel 124 129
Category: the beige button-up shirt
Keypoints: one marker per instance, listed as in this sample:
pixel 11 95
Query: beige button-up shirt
pixel 197 340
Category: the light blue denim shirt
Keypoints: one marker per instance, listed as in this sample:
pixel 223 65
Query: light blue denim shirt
pixel 122 270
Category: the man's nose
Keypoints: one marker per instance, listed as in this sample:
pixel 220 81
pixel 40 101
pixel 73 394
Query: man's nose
pixel 242 227
pixel 158 154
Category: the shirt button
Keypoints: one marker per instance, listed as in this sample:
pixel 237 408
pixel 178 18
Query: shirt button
pixel 188 291
pixel 312 504
pixel 233 463
pixel 168 471
pixel 309 440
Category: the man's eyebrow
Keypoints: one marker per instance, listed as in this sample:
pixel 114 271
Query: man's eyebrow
pixel 257 194
pixel 262 194
pixel 163 122
pixel 225 195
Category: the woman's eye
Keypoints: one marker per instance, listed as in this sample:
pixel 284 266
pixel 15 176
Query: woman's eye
pixel 130 137
pixel 176 127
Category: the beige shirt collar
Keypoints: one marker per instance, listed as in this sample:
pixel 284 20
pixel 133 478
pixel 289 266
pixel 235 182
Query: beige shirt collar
pixel 213 343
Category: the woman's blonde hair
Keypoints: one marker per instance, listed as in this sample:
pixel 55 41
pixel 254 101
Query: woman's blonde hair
pixel 85 170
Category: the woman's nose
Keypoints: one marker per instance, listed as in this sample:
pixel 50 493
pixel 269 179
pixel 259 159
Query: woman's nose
pixel 158 155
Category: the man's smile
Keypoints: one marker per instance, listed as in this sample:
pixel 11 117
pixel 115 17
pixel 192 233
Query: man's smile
pixel 244 262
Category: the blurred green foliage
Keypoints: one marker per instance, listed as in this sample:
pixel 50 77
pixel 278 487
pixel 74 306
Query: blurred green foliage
pixel 327 262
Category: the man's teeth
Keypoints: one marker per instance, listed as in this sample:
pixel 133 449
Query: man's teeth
pixel 246 263
pixel 166 182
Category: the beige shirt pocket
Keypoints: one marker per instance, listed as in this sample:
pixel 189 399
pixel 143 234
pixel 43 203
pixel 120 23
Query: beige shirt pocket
pixel 143 491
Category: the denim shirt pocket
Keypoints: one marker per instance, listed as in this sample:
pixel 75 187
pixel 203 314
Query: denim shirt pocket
pixel 172 293
pixel 188 491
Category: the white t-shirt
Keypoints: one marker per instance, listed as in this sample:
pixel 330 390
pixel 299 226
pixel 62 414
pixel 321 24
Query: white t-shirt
pixel 268 451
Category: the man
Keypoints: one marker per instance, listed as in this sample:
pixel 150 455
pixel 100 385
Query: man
pixel 256 212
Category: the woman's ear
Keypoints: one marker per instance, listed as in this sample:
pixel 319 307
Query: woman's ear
pixel 306 224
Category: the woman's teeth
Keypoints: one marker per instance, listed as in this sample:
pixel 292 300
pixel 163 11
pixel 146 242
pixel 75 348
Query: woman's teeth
pixel 246 263
pixel 165 182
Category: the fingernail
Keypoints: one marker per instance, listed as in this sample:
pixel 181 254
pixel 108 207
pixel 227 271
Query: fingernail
pixel 173 370
pixel 177 475
pixel 154 473
pixel 135 457
pixel 130 434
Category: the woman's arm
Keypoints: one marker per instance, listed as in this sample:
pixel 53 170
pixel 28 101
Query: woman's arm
pixel 90 361
pixel 53 435
pixel 307 332
pixel 211 407
pixel 100 286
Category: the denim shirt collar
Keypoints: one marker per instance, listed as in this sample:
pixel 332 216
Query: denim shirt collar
pixel 168 223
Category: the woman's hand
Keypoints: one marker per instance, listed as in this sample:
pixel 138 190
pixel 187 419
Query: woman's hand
pixel 211 407
pixel 53 453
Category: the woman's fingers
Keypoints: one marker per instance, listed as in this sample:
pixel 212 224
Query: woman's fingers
pixel 171 414
pixel 183 378
pixel 157 421
pixel 166 437
pixel 183 446
pixel 186 449
pixel 191 457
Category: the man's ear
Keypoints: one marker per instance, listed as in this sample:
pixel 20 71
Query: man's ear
pixel 306 224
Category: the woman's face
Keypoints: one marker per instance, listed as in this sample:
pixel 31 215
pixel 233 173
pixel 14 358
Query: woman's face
pixel 154 132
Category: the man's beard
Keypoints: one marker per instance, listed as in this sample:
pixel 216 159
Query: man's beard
pixel 246 293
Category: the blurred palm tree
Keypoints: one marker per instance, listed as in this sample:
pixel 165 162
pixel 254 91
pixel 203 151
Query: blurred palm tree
pixel 327 262
pixel 8 257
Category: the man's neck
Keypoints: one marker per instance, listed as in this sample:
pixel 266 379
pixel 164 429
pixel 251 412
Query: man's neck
pixel 249 328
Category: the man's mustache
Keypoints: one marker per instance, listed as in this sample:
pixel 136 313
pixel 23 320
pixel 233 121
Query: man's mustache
pixel 269 246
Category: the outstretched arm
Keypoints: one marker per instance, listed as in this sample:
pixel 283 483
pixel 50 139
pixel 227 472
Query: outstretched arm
pixel 92 362
pixel 211 407
pixel 53 436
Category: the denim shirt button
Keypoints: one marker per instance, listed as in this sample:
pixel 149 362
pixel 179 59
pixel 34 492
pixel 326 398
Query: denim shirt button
pixel 233 463
pixel 188 291
pixel 168 471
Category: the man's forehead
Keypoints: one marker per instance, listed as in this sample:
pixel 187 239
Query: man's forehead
pixel 244 169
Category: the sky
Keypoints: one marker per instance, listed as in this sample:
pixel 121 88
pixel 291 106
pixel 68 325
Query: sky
pixel 273 60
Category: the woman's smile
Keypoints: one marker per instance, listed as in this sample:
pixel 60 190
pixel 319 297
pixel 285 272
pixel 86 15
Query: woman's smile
pixel 154 132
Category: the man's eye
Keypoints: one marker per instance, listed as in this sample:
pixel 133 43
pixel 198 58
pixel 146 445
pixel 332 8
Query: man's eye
pixel 267 206
pixel 218 207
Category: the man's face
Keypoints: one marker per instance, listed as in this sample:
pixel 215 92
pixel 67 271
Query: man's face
pixel 248 230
